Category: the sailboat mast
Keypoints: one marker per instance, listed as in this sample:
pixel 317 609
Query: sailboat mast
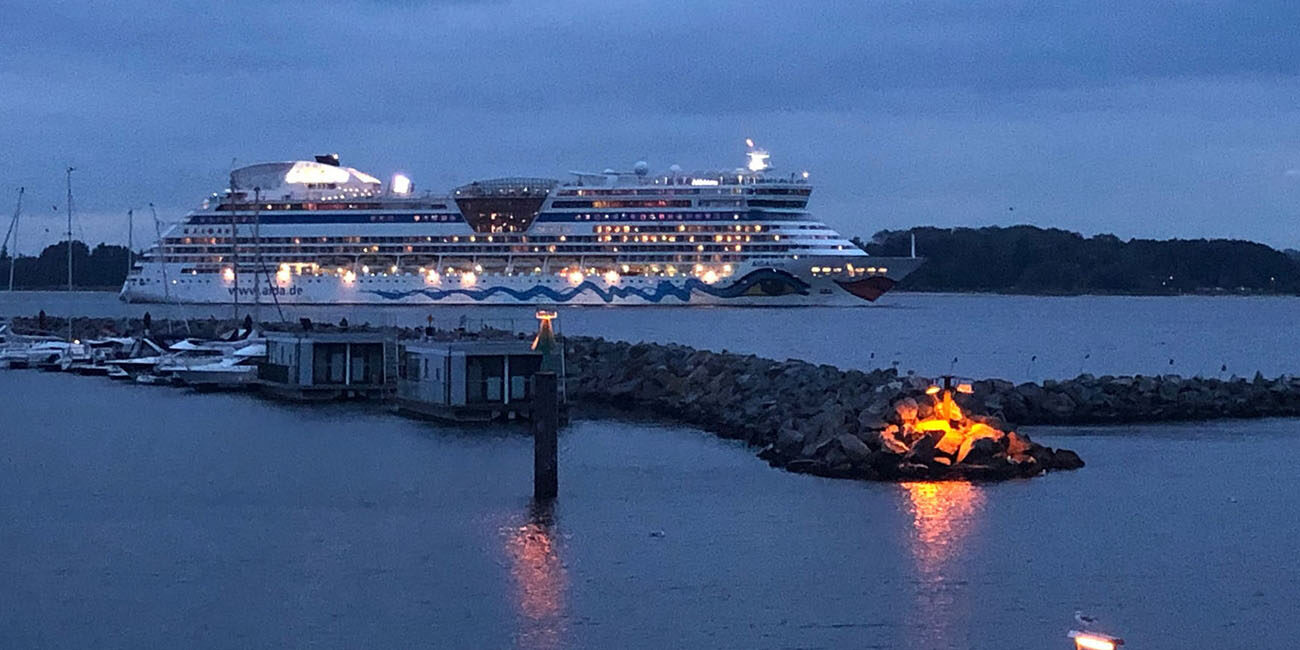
pixel 259 276
pixel 11 237
pixel 162 246
pixel 234 243
pixel 130 239
pixel 69 211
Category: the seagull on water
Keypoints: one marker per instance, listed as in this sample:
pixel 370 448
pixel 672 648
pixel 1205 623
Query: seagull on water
pixel 1084 620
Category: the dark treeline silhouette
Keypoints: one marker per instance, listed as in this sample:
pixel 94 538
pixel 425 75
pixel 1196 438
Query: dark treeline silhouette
pixel 1016 259
pixel 1032 260
pixel 92 269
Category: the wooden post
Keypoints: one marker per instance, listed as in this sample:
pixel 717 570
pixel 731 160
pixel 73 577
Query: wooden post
pixel 546 424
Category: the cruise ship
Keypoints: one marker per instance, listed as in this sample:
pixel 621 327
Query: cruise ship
pixel 317 232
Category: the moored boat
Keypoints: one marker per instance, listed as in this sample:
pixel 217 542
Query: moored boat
pixel 235 370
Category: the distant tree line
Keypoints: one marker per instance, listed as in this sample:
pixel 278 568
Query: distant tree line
pixel 1032 260
pixel 1016 259
pixel 103 267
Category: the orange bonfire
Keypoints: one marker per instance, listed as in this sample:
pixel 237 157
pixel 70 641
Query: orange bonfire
pixel 952 432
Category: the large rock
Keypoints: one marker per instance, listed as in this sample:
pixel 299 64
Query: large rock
pixel 978 451
pixel 857 451
pixel 790 440
pixel 950 443
pixel 906 409
pixel 869 420
pixel 1066 459
pixel 922 450
pixel 1030 391
pixel 1018 444
pixel 1058 405
pixel 888 441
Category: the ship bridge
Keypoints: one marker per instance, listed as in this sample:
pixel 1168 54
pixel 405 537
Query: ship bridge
pixel 322 179
pixel 503 204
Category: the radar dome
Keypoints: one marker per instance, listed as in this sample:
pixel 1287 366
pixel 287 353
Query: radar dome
pixel 609 171
pixel 641 168
pixel 676 169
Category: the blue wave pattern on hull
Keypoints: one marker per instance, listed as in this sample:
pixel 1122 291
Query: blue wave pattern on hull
pixel 769 282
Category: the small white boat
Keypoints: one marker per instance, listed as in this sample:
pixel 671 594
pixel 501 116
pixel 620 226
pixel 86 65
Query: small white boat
pixel 101 352
pixel 188 353
pixel 235 370
pixel 50 355
pixel 25 350
pixel 142 357
pixel 74 356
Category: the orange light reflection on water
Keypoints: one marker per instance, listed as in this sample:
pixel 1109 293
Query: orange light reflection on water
pixel 540 581
pixel 944 515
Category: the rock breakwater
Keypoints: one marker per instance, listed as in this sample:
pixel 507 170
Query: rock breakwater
pixel 873 425
pixel 879 424
pixel 819 419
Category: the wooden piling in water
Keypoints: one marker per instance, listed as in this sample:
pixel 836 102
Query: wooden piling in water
pixel 546 424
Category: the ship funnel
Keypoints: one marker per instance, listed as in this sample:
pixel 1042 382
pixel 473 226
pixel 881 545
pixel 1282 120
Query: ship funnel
pixel 328 159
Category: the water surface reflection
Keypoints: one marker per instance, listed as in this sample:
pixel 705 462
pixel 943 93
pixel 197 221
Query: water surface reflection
pixel 540 579
pixel 945 515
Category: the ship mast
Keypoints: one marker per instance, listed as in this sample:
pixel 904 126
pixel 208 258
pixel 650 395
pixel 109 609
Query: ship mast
pixel 69 211
pixel 130 242
pixel 12 235
pixel 234 244
pixel 259 276
pixel 162 246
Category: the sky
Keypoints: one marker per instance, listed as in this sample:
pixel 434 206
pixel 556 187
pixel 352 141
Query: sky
pixel 1159 118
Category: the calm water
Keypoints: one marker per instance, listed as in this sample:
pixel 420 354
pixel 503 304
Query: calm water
pixel 1014 337
pixel 142 516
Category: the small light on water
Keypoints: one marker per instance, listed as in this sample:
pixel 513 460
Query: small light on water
pixel 1089 641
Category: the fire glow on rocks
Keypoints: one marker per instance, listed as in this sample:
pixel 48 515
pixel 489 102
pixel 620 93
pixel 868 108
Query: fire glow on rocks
pixel 933 438
pixel 953 433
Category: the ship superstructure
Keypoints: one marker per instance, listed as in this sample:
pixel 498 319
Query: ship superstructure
pixel 317 232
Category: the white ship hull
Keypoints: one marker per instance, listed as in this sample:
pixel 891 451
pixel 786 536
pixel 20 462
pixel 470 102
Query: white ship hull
pixel 316 233
pixel 766 286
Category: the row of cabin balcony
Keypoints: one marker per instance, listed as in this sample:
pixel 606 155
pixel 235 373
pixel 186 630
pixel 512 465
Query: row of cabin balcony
pixel 574 273
pixel 617 251
pixel 509 237
pixel 208 264
pixel 647 242
pixel 677 190
pixel 788 213
pixel 651 236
